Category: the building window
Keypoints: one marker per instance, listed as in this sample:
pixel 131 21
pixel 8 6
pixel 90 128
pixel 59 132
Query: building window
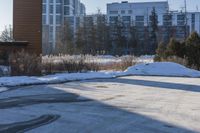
pixel 113 18
pixel 181 20
pixel 43 19
pixel 58 1
pixel 126 18
pixel 43 8
pixel 167 20
pixel 167 17
pixel 51 36
pixel 51 19
pixel 181 17
pixel 139 18
pixel 51 33
pixel 130 11
pixel 123 11
pixel 51 9
pixel 58 19
pixel 193 22
pixel 58 9
pixel 70 20
pixel 140 24
pixel 51 1
pixel 66 10
pixel 113 12
pixel 139 21
pixel 58 29
pixel 66 2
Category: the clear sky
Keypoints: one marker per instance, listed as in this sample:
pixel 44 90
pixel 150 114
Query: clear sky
pixel 91 7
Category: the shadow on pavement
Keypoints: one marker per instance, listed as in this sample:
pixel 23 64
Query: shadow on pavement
pixel 164 85
pixel 28 125
pixel 99 117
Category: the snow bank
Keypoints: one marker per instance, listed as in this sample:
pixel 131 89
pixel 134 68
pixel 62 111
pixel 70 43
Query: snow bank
pixel 57 78
pixel 163 69
pixel 151 69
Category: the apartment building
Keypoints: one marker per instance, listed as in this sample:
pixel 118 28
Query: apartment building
pixel 55 13
pixel 138 14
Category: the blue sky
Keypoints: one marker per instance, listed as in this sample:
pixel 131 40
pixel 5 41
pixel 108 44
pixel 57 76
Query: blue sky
pixel 91 7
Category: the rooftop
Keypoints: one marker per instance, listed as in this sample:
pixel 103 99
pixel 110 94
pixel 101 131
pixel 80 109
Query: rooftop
pixel 126 2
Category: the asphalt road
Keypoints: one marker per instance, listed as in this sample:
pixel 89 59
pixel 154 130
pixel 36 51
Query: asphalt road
pixel 134 104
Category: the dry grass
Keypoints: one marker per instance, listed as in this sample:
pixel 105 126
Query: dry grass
pixel 175 59
pixel 25 64
pixel 83 63
pixel 121 65
pixel 70 66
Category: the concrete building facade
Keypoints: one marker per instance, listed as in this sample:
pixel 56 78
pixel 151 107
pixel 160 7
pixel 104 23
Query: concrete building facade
pixel 177 24
pixel 57 12
pixel 138 14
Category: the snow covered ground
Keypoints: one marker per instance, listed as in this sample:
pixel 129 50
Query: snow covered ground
pixel 149 69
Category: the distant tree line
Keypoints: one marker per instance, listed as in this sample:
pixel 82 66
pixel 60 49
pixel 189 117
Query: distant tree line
pixel 99 37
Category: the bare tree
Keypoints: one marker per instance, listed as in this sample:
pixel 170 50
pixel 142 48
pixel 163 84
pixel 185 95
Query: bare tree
pixel 47 48
pixel 7 34
pixel 154 30
pixel 119 39
pixel 65 39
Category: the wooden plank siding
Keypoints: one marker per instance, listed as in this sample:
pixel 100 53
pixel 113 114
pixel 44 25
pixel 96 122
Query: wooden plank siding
pixel 27 23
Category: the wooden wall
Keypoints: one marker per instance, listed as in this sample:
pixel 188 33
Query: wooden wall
pixel 27 23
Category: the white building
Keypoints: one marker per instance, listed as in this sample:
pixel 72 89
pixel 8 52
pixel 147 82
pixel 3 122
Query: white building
pixel 138 14
pixel 55 13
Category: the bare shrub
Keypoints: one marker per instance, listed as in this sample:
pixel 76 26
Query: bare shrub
pixel 83 63
pixel 176 59
pixel 126 61
pixel 3 57
pixel 23 63
pixel 68 64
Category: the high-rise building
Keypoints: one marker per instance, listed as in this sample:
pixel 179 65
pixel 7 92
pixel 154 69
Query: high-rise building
pixel 55 13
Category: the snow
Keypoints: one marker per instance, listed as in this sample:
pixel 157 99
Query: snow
pixel 4 70
pixel 57 78
pixel 163 69
pixel 145 59
pixel 108 59
pixel 148 69
pixel 2 89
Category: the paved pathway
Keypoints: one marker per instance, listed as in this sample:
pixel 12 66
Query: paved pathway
pixel 134 104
